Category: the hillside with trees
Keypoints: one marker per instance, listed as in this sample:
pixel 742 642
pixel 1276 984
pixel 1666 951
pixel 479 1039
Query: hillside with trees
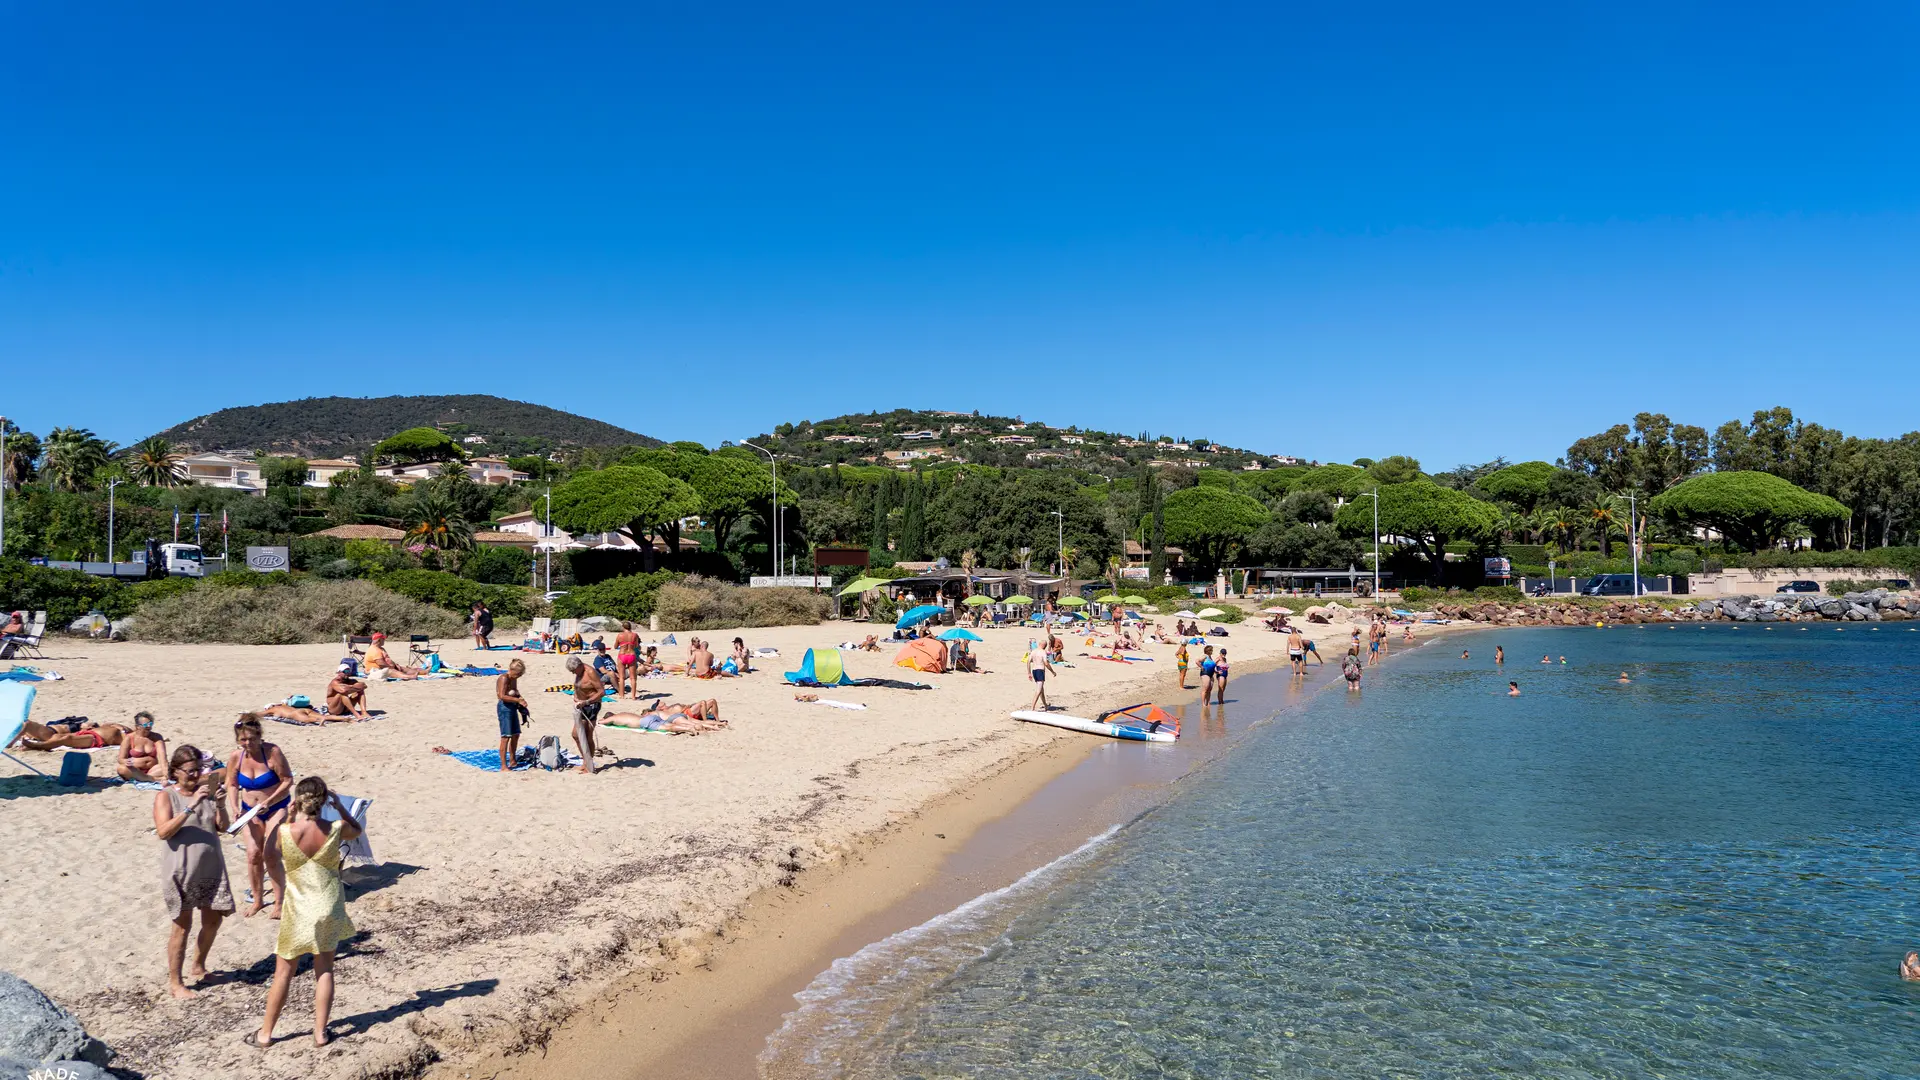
pixel 336 426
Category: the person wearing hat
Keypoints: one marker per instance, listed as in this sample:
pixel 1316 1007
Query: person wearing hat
pixel 346 695
pixel 603 664
pixel 379 661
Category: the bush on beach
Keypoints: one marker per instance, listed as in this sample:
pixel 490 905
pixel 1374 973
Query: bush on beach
pixel 509 603
pixel 629 597
pixel 298 611
pixel 697 603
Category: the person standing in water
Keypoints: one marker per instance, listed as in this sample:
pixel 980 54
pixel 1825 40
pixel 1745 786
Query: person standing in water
pixel 1297 651
pixel 1499 655
pixel 1220 679
pixel 1513 689
pixel 1180 659
pixel 1207 664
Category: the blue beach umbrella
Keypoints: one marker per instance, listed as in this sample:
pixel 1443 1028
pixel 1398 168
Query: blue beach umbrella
pixel 961 633
pixel 916 616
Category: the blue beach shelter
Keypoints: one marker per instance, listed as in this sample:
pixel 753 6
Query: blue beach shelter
pixel 918 615
pixel 820 667
pixel 960 633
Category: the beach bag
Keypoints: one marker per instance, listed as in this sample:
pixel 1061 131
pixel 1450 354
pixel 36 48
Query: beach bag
pixel 300 701
pixel 552 756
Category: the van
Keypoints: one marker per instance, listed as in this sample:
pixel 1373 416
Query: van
pixel 1611 585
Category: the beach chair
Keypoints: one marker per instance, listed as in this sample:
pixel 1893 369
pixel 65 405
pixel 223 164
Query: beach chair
pixel 537 632
pixel 356 644
pixel 28 643
pixel 421 648
pixel 566 629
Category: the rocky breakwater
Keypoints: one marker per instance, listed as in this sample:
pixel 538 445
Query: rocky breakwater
pixel 1878 605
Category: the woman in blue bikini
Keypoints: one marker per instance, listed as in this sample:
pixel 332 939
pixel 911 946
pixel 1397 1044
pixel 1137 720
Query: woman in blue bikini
pixel 260 777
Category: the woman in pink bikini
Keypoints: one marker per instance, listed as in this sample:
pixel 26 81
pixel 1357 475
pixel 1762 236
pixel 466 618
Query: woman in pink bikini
pixel 626 659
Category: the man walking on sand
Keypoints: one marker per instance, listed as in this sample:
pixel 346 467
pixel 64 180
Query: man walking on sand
pixel 512 711
pixel 587 689
pixel 1039 665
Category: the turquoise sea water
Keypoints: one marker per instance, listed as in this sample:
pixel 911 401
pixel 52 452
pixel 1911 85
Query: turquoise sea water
pixel 1707 872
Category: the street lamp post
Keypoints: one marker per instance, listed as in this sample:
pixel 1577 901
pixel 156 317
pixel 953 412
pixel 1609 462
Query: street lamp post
pixel 1375 496
pixel 1060 532
pixel 1633 541
pixel 775 462
pixel 3 485
pixel 548 537
pixel 111 484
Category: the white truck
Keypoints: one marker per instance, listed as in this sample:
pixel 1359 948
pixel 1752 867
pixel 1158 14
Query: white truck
pixel 170 560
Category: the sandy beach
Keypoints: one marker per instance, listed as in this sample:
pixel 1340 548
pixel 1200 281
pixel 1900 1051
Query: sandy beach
pixel 503 905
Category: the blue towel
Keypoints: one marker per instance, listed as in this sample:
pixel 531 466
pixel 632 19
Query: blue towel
pixel 21 675
pixel 471 670
pixel 490 759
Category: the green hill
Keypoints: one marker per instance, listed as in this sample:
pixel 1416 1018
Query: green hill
pixel 332 426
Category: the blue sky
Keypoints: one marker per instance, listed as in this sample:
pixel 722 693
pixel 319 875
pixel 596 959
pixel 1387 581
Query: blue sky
pixel 1327 230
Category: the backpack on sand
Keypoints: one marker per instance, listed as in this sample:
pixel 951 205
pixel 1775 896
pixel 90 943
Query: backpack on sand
pixel 552 756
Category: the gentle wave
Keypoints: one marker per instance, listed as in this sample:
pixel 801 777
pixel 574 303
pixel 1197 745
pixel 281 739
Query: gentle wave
pixel 843 1013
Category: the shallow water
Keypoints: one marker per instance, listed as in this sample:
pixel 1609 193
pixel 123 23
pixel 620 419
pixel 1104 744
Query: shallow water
pixel 1705 872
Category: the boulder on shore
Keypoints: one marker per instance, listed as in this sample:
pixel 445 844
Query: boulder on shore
pixel 35 1030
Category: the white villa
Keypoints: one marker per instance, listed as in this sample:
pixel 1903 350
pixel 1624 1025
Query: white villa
pixel 224 471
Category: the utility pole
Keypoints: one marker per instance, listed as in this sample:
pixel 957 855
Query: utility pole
pixel 775 462
pixel 111 484
pixel 549 539
pixel 1375 496
pixel 1633 541
pixel 3 485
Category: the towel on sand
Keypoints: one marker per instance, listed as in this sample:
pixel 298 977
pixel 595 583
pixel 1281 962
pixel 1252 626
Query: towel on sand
pixel 490 759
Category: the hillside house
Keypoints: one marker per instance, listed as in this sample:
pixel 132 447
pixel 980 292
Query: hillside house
pixel 321 471
pixel 224 471
pixel 1012 440
pixel 918 436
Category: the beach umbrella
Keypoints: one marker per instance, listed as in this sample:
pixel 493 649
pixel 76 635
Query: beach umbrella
pixel 1209 612
pixel 1074 601
pixel 1184 614
pixel 1110 598
pixel 960 633
pixel 1130 598
pixel 1017 598
pixel 978 600
pixel 1277 611
pixel 862 584
pixel 915 616
pixel 1155 608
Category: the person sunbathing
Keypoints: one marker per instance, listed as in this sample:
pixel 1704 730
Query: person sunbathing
pixel 347 696
pixel 143 754
pixel 872 644
pixel 89 736
pixel 284 711
pixel 674 718
pixel 378 661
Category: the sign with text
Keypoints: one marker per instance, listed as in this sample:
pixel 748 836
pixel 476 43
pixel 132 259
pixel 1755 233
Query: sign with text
pixel 1499 567
pixel 792 581
pixel 268 560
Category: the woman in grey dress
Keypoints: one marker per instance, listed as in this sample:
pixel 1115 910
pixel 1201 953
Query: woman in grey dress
pixel 189 816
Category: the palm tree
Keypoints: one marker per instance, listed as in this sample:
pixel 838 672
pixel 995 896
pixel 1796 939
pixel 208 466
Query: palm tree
pixel 73 456
pixel 23 449
pixel 153 462
pixel 453 470
pixel 434 523
pixel 1603 516
pixel 1563 523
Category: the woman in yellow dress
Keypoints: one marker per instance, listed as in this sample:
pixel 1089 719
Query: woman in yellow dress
pixel 314 917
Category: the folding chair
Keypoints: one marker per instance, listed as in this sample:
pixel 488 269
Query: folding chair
pixel 29 643
pixel 420 647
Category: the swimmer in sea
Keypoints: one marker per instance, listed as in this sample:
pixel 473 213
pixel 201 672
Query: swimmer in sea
pixel 1513 689
pixel 1563 660
pixel 1548 659
pixel 1499 655
pixel 1463 655
pixel 1623 679
pixel 1910 967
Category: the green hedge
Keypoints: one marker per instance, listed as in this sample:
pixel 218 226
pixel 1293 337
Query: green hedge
pixel 1906 559
pixel 65 595
pixel 630 597
pixel 455 593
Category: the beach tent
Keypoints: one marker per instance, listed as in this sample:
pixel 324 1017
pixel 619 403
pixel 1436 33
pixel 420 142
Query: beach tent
pixel 16 703
pixel 918 615
pixel 925 654
pixel 978 600
pixel 862 584
pixel 960 633
pixel 820 667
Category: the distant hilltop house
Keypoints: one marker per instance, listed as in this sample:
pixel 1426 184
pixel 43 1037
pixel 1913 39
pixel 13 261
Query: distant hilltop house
pixel 481 470
pixel 240 473
pixel 846 438
pixel 474 440
pixel 1042 455
pixel 1073 440
pixel 901 456
pixel 1012 440
pixel 918 436
pixel 321 471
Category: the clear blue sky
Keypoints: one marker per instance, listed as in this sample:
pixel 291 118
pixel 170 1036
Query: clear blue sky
pixel 1331 230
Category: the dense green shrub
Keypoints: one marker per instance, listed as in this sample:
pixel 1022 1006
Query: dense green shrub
pixel 304 610
pixel 1420 595
pixel 65 595
pixel 629 597
pixel 1896 558
pixel 338 569
pixel 498 566
pixel 1229 613
pixel 455 593
pixel 696 603
pixel 378 556
pixel 1843 586
pixel 311 552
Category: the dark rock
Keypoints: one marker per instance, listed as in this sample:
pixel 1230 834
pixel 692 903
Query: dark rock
pixel 1832 607
pixel 34 1028
pixel 19 1068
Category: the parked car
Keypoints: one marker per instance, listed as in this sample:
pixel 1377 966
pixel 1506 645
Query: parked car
pixel 1611 585
pixel 1799 586
pixel 1899 583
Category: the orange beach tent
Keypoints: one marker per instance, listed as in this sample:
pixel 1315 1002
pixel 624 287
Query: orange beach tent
pixel 926 654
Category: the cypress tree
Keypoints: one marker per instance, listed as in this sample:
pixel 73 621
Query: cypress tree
pixel 877 541
pixel 1157 549
pixel 913 523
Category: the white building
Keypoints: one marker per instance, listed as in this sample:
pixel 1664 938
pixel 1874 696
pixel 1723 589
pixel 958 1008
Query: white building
pixel 224 471
pixel 527 523
pixel 918 436
pixel 480 470
pixel 321 471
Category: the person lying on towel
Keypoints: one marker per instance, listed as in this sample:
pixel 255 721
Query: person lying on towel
pixel 674 718
pixel 90 735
